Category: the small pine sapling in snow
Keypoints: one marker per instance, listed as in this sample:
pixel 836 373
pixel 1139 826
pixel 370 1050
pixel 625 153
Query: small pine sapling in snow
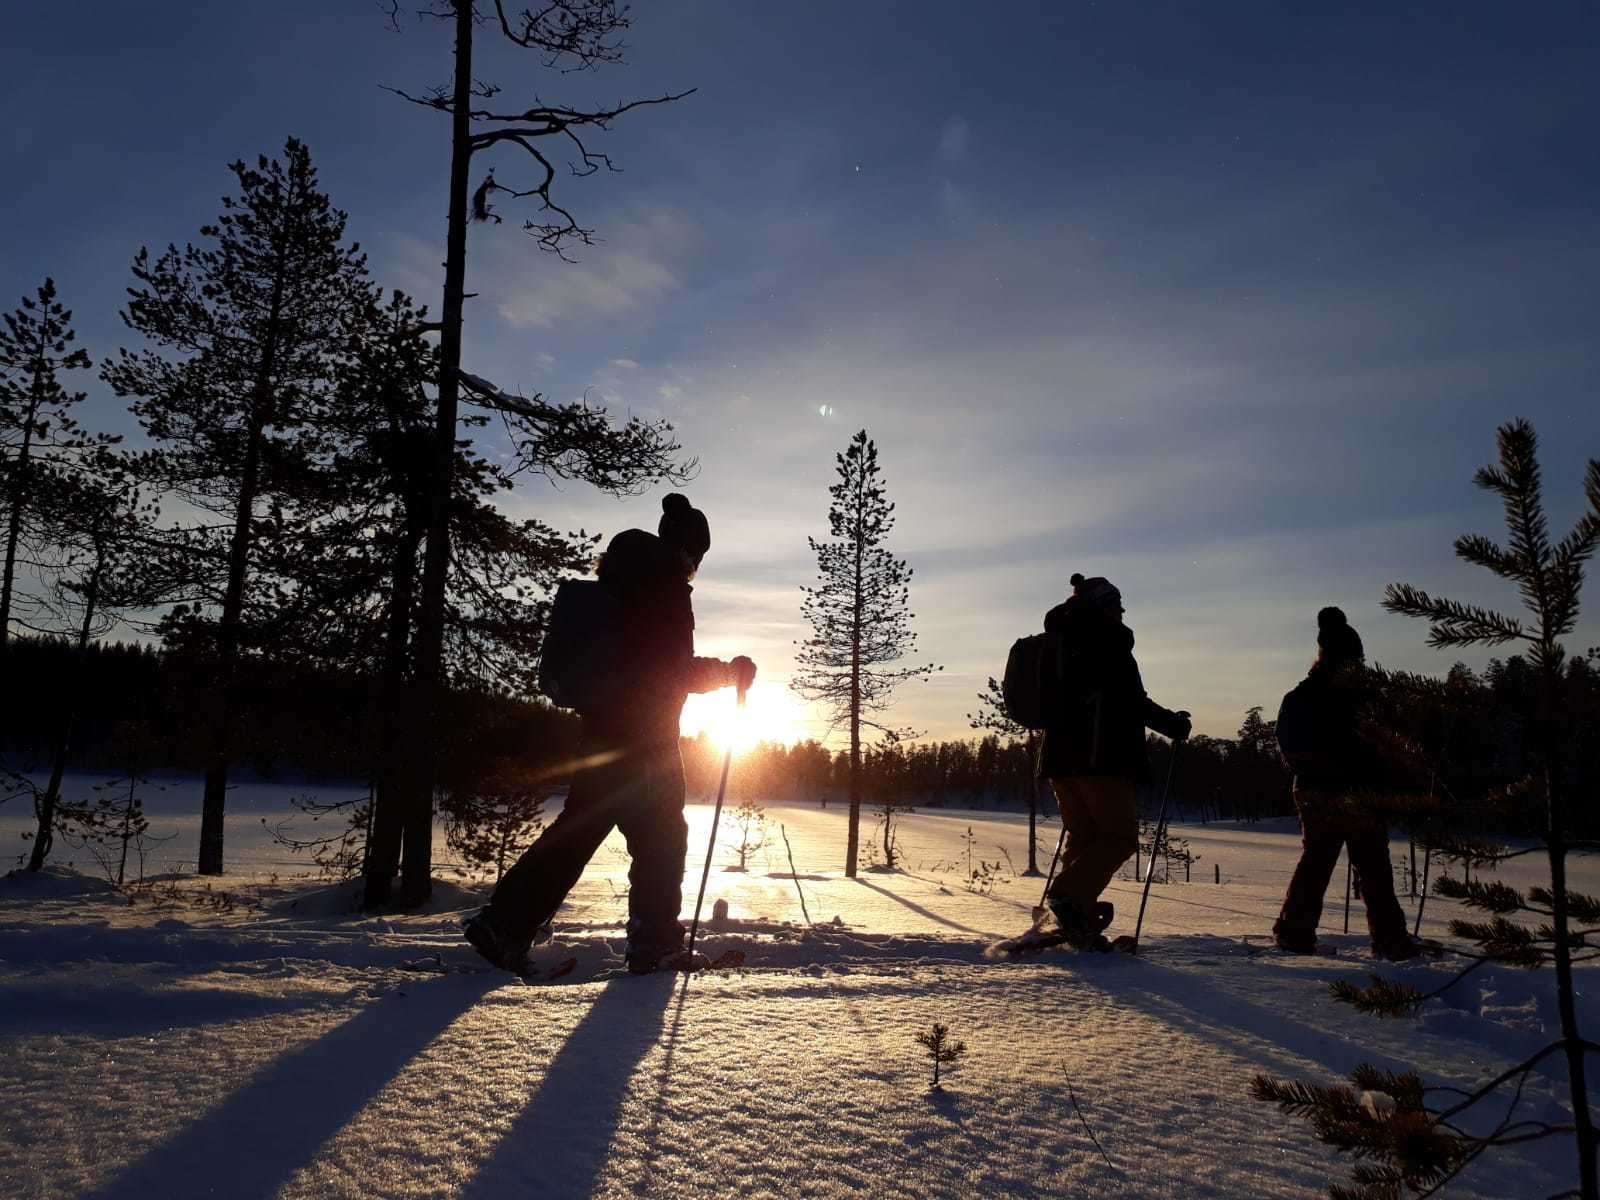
pixel 1406 1144
pixel 939 1047
pixel 750 830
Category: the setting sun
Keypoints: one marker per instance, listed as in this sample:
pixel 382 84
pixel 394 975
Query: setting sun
pixel 771 714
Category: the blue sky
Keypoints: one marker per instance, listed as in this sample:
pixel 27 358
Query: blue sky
pixel 1221 301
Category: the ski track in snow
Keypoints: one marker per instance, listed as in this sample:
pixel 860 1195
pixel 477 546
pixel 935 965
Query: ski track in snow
pixel 277 1043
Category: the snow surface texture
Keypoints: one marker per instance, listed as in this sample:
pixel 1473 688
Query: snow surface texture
pixel 260 1038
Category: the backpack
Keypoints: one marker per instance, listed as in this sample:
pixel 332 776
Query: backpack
pixel 1300 726
pixel 1035 678
pixel 578 663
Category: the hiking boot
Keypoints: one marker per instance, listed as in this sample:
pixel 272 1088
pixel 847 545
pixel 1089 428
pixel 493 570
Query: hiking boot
pixel 1294 941
pixel 1398 949
pixel 486 938
pixel 648 962
pixel 1082 930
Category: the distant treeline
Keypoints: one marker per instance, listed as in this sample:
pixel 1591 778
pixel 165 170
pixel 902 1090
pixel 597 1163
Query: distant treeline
pixel 137 705
pixel 1470 732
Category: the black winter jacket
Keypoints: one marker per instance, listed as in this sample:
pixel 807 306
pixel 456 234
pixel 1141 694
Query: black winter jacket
pixel 1332 701
pixel 653 664
pixel 1100 722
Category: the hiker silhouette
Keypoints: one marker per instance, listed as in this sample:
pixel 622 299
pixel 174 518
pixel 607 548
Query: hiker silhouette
pixel 628 679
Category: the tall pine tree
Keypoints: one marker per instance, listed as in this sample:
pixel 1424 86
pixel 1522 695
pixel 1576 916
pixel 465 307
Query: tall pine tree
pixel 568 36
pixel 246 331
pixel 860 616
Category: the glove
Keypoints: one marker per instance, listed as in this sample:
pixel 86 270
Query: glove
pixel 744 673
pixel 1180 727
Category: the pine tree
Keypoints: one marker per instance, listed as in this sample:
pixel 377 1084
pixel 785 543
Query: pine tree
pixel 570 35
pixel 369 548
pixel 92 530
pixel 246 332
pixel 859 614
pixel 941 1050
pixel 750 827
pixel 992 717
pixel 1387 1118
pixel 39 439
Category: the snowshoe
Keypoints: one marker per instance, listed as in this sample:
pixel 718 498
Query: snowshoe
pixel 480 930
pixel 1079 931
pixel 1406 948
pixel 644 963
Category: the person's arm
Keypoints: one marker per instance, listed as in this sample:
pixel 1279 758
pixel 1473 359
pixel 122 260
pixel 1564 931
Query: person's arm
pixel 1171 723
pixel 709 674
pixel 1167 722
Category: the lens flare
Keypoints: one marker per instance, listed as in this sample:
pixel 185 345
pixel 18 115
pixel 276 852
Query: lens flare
pixel 771 714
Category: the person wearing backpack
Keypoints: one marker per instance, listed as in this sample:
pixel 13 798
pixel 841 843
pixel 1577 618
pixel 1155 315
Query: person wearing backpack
pixel 1320 739
pixel 1093 752
pixel 631 680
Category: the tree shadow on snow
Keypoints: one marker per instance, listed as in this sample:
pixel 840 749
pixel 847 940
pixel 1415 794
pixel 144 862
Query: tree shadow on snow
pixel 1252 1031
pixel 559 1143
pixel 131 1011
pixel 252 1142
pixel 919 909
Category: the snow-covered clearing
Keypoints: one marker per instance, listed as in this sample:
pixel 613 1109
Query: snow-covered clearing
pixel 269 1041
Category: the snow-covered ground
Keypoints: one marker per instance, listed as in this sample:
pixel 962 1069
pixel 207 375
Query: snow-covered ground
pixel 255 1037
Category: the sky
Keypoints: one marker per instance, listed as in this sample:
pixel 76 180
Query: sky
pixel 1223 302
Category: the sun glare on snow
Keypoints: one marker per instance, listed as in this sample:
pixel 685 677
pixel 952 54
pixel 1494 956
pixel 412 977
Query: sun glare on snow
pixel 771 714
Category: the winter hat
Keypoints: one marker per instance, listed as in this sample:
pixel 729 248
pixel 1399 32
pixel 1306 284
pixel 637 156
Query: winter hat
pixel 684 526
pixel 1335 638
pixel 1096 592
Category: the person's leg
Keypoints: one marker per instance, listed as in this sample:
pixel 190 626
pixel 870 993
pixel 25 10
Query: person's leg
pixel 1386 920
pixel 1113 806
pixel 1321 837
pixel 530 892
pixel 658 839
pixel 1081 832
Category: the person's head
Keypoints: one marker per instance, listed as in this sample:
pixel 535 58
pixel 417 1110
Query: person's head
pixel 1338 644
pixel 1097 595
pixel 684 528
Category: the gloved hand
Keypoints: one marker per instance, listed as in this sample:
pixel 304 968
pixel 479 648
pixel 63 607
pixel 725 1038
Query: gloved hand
pixel 1181 726
pixel 744 673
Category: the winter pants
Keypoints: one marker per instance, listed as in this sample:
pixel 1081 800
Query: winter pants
pixel 1101 815
pixel 1327 823
pixel 636 789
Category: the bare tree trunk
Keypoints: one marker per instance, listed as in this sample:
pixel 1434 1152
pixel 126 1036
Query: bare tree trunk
pixel 388 798
pixel 14 522
pixel 127 821
pixel 853 843
pixel 416 883
pixel 228 637
pixel 1573 1044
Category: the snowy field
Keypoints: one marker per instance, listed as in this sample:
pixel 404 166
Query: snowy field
pixel 255 1037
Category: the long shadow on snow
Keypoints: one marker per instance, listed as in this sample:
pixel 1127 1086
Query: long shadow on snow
pixel 128 1011
pixel 560 1141
pixel 251 1143
pixel 918 909
pixel 1184 998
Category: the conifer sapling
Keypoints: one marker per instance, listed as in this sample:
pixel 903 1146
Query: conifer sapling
pixel 943 1051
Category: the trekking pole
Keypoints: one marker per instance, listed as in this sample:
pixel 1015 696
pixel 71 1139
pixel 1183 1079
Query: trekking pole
pixel 1040 908
pixel 716 816
pixel 1349 874
pixel 1161 828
